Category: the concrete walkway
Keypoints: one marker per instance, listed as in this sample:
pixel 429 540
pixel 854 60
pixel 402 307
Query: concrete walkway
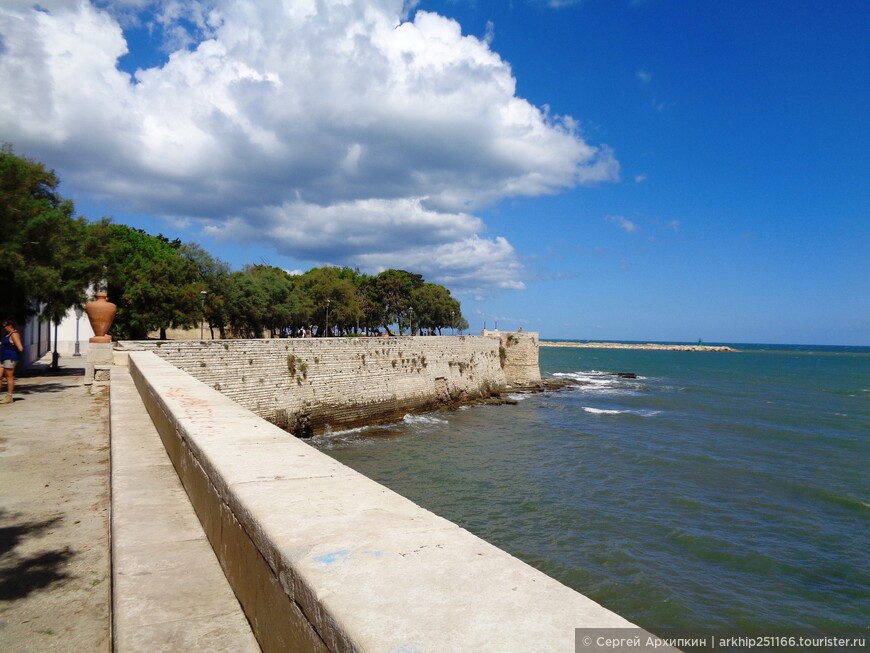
pixel 56 589
pixel 54 513
pixel 170 593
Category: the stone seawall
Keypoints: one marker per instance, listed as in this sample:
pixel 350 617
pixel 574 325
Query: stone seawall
pixel 309 385
pixel 518 353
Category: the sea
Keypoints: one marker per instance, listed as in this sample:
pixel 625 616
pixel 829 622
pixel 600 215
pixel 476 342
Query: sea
pixel 725 490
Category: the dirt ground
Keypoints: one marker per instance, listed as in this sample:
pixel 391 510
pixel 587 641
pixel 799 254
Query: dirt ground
pixel 55 581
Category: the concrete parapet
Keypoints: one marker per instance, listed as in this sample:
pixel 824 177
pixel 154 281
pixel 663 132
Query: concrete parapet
pixel 323 558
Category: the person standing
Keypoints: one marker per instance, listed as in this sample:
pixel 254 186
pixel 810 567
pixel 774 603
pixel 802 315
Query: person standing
pixel 10 348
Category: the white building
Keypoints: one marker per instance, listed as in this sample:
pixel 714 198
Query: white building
pixel 39 336
pixel 35 338
pixel 73 328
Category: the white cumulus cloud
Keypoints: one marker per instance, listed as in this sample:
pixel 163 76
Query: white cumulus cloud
pixel 362 132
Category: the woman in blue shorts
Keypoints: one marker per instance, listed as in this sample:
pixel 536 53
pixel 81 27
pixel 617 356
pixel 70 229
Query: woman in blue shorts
pixel 10 348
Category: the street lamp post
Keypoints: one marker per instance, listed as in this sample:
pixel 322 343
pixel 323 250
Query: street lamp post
pixel 453 322
pixel 55 357
pixel 327 318
pixel 202 294
pixel 79 313
pixel 411 320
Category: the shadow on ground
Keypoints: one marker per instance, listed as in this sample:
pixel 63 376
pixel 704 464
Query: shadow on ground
pixel 39 388
pixel 45 370
pixel 21 575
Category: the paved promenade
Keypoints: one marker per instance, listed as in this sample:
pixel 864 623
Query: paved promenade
pixel 54 513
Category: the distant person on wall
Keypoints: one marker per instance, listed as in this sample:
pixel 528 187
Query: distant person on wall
pixel 10 348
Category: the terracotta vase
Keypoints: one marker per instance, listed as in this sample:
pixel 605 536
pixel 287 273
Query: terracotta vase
pixel 101 312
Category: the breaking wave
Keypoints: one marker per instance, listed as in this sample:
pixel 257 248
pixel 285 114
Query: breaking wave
pixel 423 419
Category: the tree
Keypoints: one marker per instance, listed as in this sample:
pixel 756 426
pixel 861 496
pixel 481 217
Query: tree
pixel 434 308
pixel 284 305
pixel 154 286
pixel 331 293
pixel 261 298
pixel 246 305
pixel 213 278
pixel 358 306
pixel 44 258
pixel 390 295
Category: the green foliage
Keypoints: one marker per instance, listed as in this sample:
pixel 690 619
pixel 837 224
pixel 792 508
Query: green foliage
pixel 246 302
pixel 332 289
pixel 434 308
pixel 44 258
pixel 214 276
pixel 390 296
pixel 153 284
pixel 263 298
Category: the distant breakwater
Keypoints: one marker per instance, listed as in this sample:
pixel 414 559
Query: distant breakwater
pixel 631 345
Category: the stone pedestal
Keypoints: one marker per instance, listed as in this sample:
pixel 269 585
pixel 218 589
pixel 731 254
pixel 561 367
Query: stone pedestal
pixel 100 357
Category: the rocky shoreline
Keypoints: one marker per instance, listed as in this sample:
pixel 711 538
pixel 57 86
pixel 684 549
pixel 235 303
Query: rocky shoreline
pixel 625 345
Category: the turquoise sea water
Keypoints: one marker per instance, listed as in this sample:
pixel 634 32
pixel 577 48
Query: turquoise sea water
pixel 724 490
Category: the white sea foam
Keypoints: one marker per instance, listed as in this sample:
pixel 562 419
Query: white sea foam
pixel 606 411
pixel 602 411
pixel 328 432
pixel 516 396
pixel 594 381
pixel 422 419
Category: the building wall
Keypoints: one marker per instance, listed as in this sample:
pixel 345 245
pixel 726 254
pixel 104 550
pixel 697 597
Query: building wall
pixel 35 337
pixel 69 329
pixel 309 385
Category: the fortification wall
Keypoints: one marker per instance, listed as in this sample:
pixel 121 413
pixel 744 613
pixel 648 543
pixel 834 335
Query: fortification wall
pixel 307 385
pixel 518 352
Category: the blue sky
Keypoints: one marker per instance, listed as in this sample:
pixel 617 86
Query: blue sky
pixel 604 169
